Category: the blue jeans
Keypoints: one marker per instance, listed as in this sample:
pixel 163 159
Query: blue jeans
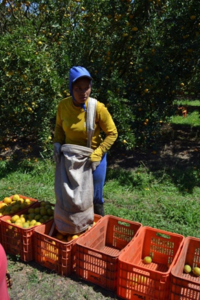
pixel 99 176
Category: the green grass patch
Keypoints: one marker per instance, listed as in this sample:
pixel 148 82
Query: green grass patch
pixel 192 119
pixel 187 102
pixel 164 199
pixel 168 200
pixel 32 179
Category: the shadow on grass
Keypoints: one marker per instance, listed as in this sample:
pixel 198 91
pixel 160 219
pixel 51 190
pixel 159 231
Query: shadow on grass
pixel 177 163
pixel 19 266
pixel 185 181
pixel 12 166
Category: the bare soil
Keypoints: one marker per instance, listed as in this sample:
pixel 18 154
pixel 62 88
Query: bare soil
pixel 180 147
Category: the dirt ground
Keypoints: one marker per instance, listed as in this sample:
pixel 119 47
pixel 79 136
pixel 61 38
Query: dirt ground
pixel 179 146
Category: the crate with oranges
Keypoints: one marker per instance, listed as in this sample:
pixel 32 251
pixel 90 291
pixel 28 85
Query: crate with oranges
pixel 56 252
pixel 17 230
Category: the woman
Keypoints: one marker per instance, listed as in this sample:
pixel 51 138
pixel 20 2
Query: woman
pixel 71 128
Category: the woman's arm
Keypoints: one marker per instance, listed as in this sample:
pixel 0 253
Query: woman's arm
pixel 107 124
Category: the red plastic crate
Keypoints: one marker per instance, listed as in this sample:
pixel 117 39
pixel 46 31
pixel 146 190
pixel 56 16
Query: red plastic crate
pixel 54 254
pixel 137 280
pixel 98 250
pixel 186 286
pixel 17 240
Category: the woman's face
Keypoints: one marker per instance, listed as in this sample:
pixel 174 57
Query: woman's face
pixel 81 90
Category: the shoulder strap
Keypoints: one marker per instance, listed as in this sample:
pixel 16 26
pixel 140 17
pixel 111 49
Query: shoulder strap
pixel 90 120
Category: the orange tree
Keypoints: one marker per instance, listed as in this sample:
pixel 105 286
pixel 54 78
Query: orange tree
pixel 141 54
pixel 31 56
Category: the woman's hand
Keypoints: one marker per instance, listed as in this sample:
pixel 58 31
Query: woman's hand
pixel 94 165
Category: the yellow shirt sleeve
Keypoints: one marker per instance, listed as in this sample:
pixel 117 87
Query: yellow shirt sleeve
pixel 105 122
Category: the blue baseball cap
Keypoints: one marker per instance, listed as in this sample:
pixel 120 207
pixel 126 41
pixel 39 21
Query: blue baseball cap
pixel 75 73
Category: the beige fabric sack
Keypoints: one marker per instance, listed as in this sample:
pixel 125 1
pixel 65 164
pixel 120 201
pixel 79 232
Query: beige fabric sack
pixel 74 191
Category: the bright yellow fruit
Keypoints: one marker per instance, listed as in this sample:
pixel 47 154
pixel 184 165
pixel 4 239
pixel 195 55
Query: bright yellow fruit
pixel 147 260
pixel 22 219
pixel 187 269
pixel 196 271
pixel 18 223
pixel 7 200
pixel 2 205
pixel 15 197
pixel 74 237
pixel 27 201
pixel 14 218
pixel 33 222
pixel 37 223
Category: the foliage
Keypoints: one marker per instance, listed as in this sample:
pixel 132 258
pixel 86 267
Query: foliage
pixel 151 57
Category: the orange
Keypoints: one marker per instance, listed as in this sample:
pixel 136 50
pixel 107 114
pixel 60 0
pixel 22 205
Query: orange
pixel 7 200
pixel 74 237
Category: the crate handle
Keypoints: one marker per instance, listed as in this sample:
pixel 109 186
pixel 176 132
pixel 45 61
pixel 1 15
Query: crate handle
pixel 95 277
pixel 164 235
pixel 124 223
pixel 140 272
pixel 94 254
pixel 139 296
pixel 48 240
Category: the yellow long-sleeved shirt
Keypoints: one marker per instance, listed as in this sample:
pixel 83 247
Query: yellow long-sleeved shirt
pixel 71 127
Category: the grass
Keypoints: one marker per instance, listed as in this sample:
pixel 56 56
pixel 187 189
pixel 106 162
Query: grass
pixel 192 119
pixel 165 199
pixel 162 199
pixel 187 102
pixel 28 178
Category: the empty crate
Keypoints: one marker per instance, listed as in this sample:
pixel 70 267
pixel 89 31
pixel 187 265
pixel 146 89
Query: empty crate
pixel 98 250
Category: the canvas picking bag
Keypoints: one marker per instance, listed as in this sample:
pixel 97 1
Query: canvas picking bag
pixel 74 189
